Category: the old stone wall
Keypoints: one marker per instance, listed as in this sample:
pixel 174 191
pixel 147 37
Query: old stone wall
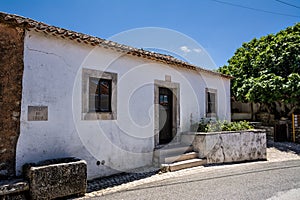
pixel 11 73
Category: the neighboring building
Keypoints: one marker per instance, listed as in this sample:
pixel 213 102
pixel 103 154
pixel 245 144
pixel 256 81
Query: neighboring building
pixel 244 111
pixel 67 94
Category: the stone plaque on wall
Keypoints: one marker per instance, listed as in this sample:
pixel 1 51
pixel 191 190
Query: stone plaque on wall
pixel 37 113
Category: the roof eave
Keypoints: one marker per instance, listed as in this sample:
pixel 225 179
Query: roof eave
pixel 30 24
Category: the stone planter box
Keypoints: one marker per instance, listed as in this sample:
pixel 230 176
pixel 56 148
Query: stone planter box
pixel 229 146
pixel 56 178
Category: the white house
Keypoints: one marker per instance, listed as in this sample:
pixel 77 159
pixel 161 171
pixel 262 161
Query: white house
pixel 106 103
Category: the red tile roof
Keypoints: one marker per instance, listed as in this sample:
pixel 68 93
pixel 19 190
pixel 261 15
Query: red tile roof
pixel 30 24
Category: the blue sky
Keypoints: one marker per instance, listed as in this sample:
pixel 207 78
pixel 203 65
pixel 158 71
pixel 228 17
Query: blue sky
pixel 219 26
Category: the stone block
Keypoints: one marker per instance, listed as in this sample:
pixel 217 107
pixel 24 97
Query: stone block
pixel 56 178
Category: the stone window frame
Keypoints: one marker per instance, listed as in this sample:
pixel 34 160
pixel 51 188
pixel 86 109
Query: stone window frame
pixel 215 91
pixel 88 115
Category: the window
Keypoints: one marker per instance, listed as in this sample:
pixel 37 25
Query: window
pixel 99 95
pixel 211 102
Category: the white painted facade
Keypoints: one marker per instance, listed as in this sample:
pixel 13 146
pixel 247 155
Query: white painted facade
pixel 53 78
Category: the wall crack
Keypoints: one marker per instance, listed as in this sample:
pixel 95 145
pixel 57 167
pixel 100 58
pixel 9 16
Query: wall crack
pixel 51 53
pixel 222 148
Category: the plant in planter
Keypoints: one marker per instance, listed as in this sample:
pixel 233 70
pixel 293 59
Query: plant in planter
pixel 236 126
pixel 209 125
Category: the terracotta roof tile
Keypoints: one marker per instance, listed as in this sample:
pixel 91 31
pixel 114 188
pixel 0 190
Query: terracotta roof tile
pixel 30 24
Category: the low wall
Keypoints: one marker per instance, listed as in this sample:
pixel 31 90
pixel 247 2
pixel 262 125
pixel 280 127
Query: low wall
pixel 14 189
pixel 229 146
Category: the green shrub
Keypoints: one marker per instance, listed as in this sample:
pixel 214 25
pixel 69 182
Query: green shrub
pixel 236 126
pixel 209 125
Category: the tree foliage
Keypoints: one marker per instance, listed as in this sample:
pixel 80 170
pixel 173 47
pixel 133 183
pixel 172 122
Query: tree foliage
pixel 266 70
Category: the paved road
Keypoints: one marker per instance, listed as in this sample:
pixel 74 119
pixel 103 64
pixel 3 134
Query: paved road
pixel 259 180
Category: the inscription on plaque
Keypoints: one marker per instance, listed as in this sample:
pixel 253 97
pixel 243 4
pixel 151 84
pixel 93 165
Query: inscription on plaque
pixel 37 113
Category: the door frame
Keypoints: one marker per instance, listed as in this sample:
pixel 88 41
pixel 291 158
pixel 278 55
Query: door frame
pixel 175 88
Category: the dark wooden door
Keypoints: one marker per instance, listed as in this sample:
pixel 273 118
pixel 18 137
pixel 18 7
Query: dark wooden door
pixel 165 115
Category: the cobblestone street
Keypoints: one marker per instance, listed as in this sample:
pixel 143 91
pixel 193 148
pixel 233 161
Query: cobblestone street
pixel 276 152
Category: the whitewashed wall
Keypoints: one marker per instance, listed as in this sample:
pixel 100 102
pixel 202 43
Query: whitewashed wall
pixel 52 77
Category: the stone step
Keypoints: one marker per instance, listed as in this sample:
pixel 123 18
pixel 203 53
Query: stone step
pixel 177 149
pixel 177 158
pixel 183 165
pixel 169 145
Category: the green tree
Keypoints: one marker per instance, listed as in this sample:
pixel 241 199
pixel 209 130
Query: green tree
pixel 266 71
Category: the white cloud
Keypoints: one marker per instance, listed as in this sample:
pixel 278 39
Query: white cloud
pixel 197 50
pixel 185 49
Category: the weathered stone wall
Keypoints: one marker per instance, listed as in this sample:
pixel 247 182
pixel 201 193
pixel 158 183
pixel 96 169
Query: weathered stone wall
pixel 11 73
pixel 227 147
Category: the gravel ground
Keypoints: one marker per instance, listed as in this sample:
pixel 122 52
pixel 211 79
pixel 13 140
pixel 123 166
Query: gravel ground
pixel 276 152
pixel 281 151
